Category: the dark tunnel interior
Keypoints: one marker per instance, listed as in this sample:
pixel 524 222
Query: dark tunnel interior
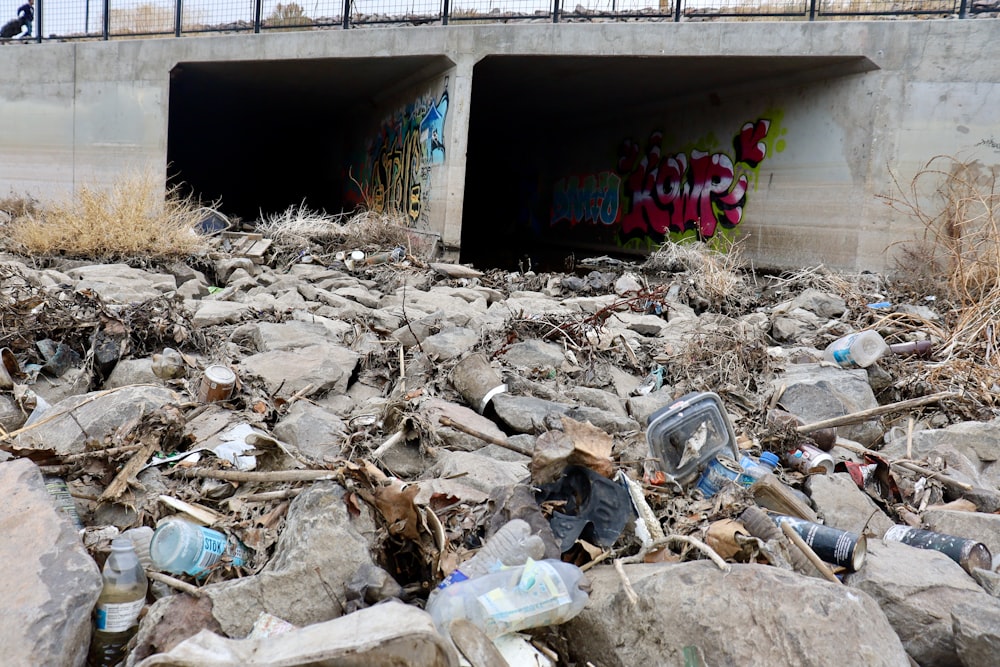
pixel 262 136
pixel 259 137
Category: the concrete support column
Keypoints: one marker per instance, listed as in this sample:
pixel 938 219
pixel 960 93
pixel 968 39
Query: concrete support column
pixel 457 139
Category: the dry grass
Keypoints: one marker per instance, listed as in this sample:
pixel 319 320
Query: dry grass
pixel 130 220
pixel 716 270
pixel 300 228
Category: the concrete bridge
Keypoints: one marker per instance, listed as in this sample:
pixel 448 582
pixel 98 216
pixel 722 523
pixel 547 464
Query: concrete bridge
pixel 516 139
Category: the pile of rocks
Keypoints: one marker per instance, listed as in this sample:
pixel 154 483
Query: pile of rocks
pixel 363 475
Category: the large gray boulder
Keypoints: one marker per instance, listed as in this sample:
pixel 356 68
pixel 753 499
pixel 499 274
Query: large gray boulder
pixel 814 392
pixel 753 615
pixel 917 589
pixel 841 504
pixel 120 283
pixel 49 584
pixel 327 367
pixel 320 549
pixel 93 417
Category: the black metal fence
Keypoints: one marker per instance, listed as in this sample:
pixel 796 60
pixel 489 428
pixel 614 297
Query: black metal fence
pixel 122 19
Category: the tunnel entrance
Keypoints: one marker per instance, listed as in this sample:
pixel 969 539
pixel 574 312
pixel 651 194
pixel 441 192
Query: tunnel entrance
pixel 547 180
pixel 262 136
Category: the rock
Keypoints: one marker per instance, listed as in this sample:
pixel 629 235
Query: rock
pixel 93 416
pixel 814 392
pixel 525 414
pixel 534 354
pixel 824 304
pixel 432 409
pixel 170 621
pixel 724 618
pixel 312 431
pixel 271 337
pixel 120 283
pixel 132 371
pixel 598 398
pixel 641 407
pixel 449 343
pixel 479 472
pixel 794 325
pixel 11 416
pixel 325 366
pixel 977 526
pixel 977 442
pixel 320 548
pixel 841 504
pixel 50 583
pixel 627 283
pixel 917 589
pixel 977 635
pixel 209 313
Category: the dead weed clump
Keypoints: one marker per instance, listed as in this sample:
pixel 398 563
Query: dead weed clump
pixel 299 229
pixel 958 255
pixel 716 272
pixel 129 220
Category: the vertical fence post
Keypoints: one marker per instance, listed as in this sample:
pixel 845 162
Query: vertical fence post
pixel 445 9
pixel 677 11
pixel 39 13
pixel 347 14
pixel 555 11
pixel 106 27
pixel 178 17
pixel 812 10
pixel 963 9
pixel 257 8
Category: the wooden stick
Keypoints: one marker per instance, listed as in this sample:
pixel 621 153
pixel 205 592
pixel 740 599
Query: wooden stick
pixel 907 465
pixel 268 495
pixel 387 445
pixel 684 539
pixel 242 476
pixel 486 437
pixel 97 453
pixel 182 586
pixel 913 467
pixel 797 540
pixel 128 471
pixel 864 415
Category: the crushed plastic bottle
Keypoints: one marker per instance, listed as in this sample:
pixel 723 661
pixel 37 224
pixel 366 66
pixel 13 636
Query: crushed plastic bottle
pixel 510 546
pixel 536 594
pixel 856 350
pixel 755 469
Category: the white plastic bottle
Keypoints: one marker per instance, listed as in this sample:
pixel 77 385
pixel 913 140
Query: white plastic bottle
pixel 856 350
pixel 512 545
pixel 180 546
pixel 118 606
pixel 755 469
pixel 536 594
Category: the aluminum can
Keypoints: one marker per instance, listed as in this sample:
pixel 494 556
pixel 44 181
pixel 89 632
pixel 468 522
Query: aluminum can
pixel 832 545
pixel 806 459
pixel 216 384
pixel 970 554
pixel 720 471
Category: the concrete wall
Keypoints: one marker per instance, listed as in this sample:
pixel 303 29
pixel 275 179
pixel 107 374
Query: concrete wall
pixel 852 103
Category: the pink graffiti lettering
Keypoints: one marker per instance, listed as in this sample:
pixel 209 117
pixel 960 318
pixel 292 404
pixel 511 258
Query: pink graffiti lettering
pixel 749 145
pixel 674 194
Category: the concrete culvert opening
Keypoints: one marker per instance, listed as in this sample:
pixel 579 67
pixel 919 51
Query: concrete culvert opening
pixel 546 181
pixel 263 136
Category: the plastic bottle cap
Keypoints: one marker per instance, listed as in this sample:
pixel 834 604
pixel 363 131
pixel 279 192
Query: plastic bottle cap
pixel 769 458
pixel 121 544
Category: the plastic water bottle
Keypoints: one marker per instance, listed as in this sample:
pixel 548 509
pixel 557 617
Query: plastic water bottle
pixel 536 594
pixel 512 545
pixel 180 546
pixel 118 606
pixel 755 469
pixel 856 350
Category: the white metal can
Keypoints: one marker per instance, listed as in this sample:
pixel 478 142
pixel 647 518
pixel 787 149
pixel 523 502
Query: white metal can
pixel 808 459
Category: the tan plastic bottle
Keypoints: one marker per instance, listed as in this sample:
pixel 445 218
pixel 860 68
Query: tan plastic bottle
pixel 118 606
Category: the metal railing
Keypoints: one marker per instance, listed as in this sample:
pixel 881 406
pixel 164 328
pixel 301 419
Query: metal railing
pixel 122 19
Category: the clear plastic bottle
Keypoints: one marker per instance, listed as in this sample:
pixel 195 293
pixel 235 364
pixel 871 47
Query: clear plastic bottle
pixel 118 606
pixel 180 546
pixel 856 350
pixel 755 469
pixel 512 545
pixel 536 594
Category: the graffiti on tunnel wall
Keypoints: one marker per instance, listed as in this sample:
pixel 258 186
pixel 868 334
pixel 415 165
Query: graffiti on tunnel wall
pixel 654 194
pixel 397 161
